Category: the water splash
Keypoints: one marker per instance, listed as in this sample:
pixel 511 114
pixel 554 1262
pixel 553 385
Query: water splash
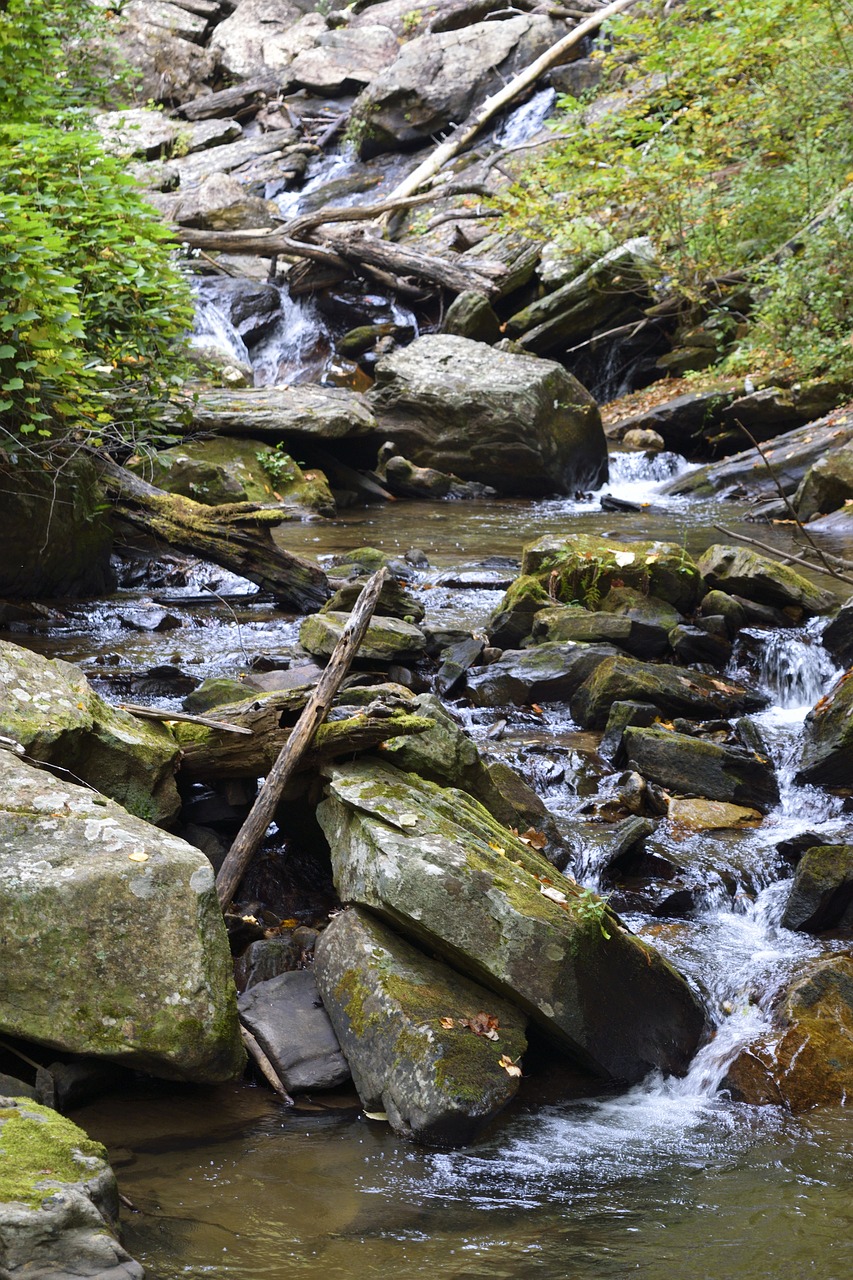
pixel 213 330
pixel 526 121
pixel 794 668
pixel 296 349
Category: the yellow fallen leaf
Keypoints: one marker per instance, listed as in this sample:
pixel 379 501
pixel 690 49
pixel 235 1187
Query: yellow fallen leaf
pixel 498 849
pixel 448 1022
pixel 510 1067
pixel 138 857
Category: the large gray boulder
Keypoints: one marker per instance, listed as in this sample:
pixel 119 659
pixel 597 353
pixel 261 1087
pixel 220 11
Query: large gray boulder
pixel 440 76
pixel 437 867
pixel 264 35
pixel 697 767
pixel 427 1048
pixel 743 572
pixel 271 413
pixel 345 60
pixel 162 42
pixel 59 1201
pixel 49 707
pixel 114 945
pixel 518 423
pixel 675 691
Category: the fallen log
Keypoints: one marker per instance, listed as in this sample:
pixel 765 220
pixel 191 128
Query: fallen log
pixel 235 536
pixel 260 816
pixel 212 755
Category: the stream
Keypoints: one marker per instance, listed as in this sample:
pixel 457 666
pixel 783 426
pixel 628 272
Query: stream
pixel 668 1178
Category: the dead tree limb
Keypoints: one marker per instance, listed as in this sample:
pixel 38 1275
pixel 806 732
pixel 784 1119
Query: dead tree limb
pixel 235 536
pixel 781 555
pixel 467 132
pixel 264 1065
pixel 252 831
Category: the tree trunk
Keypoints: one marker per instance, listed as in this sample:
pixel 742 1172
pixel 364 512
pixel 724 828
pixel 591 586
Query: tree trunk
pixel 235 536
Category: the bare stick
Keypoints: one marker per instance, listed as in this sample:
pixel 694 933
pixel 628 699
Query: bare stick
pixel 155 713
pixel 252 831
pixel 783 495
pixel 265 1067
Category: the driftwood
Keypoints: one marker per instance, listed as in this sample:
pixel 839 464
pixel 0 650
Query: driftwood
pixel 264 1065
pixel 243 100
pixel 209 755
pixel 166 717
pixel 235 536
pixel 460 138
pixel 252 831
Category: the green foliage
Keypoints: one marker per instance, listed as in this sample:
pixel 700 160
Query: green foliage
pixel 92 307
pixel 728 132
pixel 278 465
pixel 588 906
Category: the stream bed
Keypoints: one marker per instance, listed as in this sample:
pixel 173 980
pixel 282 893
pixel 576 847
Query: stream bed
pixel 670 1178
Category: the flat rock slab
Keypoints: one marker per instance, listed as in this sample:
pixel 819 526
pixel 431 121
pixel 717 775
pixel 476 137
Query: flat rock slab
pixel 409 1027
pixel 59 1202
pixel 515 422
pixel 742 572
pixel 285 1014
pixel 114 944
pixel 711 815
pixel 675 691
pixel 436 866
pixel 51 709
pixel 386 639
pixel 697 767
pixel 318 413
pixel 548 672
pixel 572 622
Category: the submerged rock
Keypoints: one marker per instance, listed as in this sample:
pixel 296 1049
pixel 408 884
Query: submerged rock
pixel 113 937
pixel 515 422
pixel 435 865
pixel 52 710
pixel 59 1201
pixel 409 1027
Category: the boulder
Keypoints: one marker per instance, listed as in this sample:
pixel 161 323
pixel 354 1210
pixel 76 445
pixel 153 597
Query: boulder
pixel 59 1202
pixel 113 936
pixel 394 600
pixel 807 1059
pixel 228 470
pixel 470 315
pixel 711 815
pixel 673 690
pixel 56 540
pixel 345 59
pixel 687 424
pixel 221 203
pixel 545 673
pixel 161 43
pixel 828 485
pixel 706 643
pixel 512 621
pixel 427 1047
pixel 609 293
pixel 386 639
pixel 585 567
pixel 743 572
pixel 137 131
pixel 520 424
pixel 837 637
pixel 827 754
pixel 273 413
pixel 264 35
pixel 696 767
pixel 822 892
pixel 439 77
pixel 286 1016
pixel 442 872
pixel 563 622
pixel 52 710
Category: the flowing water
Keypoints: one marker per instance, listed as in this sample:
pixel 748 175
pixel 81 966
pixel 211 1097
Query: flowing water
pixel 669 1179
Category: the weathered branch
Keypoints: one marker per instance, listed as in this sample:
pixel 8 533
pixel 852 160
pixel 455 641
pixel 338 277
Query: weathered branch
pixel 235 536
pixel 252 831
pixel 264 1065
pixel 781 555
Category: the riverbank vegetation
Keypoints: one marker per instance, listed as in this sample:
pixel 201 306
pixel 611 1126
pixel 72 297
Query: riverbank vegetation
pixel 92 306
pixel 723 133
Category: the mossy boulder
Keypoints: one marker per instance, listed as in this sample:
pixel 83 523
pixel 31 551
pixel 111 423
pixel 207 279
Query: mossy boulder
pixel 561 622
pixel 512 621
pixel 386 640
pixel 55 535
pixel 545 673
pixel 408 1027
pixel 821 896
pixel 711 815
pixel 697 767
pixel 51 709
pixel 807 1059
pixel 675 691
pixel 114 945
pixel 742 572
pixel 438 868
pixel 828 484
pixel 582 568
pixel 827 755
pixel 394 601
pixel 58 1199
pixel 222 470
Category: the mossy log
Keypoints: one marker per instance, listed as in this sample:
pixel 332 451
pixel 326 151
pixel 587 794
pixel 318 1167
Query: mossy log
pixel 212 754
pixel 235 536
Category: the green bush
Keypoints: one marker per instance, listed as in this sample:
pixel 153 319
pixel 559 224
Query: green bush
pixel 93 308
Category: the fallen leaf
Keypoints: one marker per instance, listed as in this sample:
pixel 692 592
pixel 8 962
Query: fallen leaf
pixel 534 838
pixel 554 894
pixel 535 707
pixel 138 857
pixel 448 1022
pixel 510 1067
pixel 408 819
pixel 498 849
pixel 624 557
pixel 483 1024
